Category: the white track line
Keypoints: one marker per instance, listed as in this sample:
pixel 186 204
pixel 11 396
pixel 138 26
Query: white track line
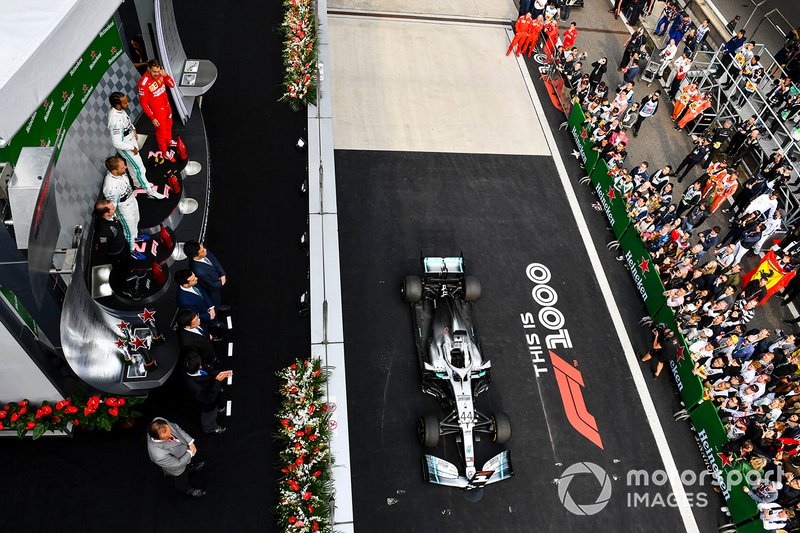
pixel 228 408
pixel 230 349
pixel 633 364
pixel 230 379
pixel 230 322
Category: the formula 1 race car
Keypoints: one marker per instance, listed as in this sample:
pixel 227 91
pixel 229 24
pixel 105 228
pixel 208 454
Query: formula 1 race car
pixel 453 371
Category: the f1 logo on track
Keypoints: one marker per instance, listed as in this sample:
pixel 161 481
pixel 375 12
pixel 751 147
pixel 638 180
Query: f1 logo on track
pixel 551 334
pixel 570 381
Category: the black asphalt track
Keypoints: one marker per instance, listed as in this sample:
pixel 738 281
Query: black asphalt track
pixel 503 213
pixel 104 481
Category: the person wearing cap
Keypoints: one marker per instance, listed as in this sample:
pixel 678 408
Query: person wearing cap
pixel 126 143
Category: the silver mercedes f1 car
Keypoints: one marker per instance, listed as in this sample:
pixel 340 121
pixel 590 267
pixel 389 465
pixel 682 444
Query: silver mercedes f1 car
pixel 453 370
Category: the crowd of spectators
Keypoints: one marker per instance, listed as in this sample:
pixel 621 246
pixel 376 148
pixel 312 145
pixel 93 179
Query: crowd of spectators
pixel 699 236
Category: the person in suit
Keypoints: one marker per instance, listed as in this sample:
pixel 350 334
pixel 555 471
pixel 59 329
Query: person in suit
pixel 210 274
pixel 173 449
pixel 205 388
pixel 191 296
pixel 191 334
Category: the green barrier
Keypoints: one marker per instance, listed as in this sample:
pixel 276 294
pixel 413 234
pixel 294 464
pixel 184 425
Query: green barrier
pixel 580 135
pixel 712 437
pixel 689 384
pixel 644 272
pixel 48 124
pixel 612 201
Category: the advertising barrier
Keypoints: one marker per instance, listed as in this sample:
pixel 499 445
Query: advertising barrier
pixel 711 433
pixel 64 103
pixel 612 201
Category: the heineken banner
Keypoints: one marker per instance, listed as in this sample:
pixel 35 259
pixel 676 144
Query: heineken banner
pixel 44 127
pixel 580 134
pixel 612 200
pixel 728 471
pixel 689 384
pixel 644 272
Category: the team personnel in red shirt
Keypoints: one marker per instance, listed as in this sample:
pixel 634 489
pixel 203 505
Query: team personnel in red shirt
pixel 570 35
pixel 155 103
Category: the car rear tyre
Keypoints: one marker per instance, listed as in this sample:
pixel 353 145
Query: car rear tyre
pixel 472 288
pixel 412 289
pixel 501 428
pixel 428 431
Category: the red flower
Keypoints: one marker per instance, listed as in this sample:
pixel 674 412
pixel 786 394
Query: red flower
pixel 46 409
pixel 299 461
pixel 312 438
pixel 76 422
pixel 317 372
pixel 61 405
pixel 71 409
pixel 39 414
pixel 311 409
pixel 325 407
pixel 22 411
pixel 285 470
pixel 310 508
pixel 2 414
pixel 299 434
pixel 307 495
pixel 293 367
pixel 30 425
pixel 94 402
pixel 87 411
pixel 292 520
pixel 298 446
pixel 294 390
pixel 1 425
pixel 14 417
pixel 317 473
pixel 113 411
pixel 23 403
pixel 285 422
pixel 121 402
pixel 111 402
pixel 315 526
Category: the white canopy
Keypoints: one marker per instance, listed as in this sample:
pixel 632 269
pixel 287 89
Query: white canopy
pixel 40 40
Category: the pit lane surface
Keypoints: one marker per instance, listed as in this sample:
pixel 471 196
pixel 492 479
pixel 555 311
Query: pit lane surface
pixel 504 213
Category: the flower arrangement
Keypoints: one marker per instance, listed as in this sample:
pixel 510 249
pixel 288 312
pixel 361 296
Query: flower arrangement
pixel 299 53
pixel 94 413
pixel 306 487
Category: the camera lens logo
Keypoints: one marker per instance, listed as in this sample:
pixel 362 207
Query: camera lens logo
pixel 589 508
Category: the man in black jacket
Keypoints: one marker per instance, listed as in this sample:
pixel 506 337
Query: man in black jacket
pixel 693 158
pixel 634 44
pixel 191 334
pixel 205 388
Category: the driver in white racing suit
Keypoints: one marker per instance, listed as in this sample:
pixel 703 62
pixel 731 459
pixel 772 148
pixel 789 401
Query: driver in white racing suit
pixel 124 139
pixel 117 189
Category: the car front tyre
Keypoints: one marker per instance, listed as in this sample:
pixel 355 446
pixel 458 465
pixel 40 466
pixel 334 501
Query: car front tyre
pixel 428 431
pixel 501 428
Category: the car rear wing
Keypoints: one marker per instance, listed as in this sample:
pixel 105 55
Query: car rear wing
pixel 441 265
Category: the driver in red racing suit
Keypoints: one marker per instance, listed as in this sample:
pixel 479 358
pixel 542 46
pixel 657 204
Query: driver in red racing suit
pixel 155 103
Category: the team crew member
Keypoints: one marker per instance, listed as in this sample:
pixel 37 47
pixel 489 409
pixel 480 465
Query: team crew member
pixel 155 103
pixel 570 34
pixel 521 36
pixel 125 141
pixel 117 189
pixel 694 109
